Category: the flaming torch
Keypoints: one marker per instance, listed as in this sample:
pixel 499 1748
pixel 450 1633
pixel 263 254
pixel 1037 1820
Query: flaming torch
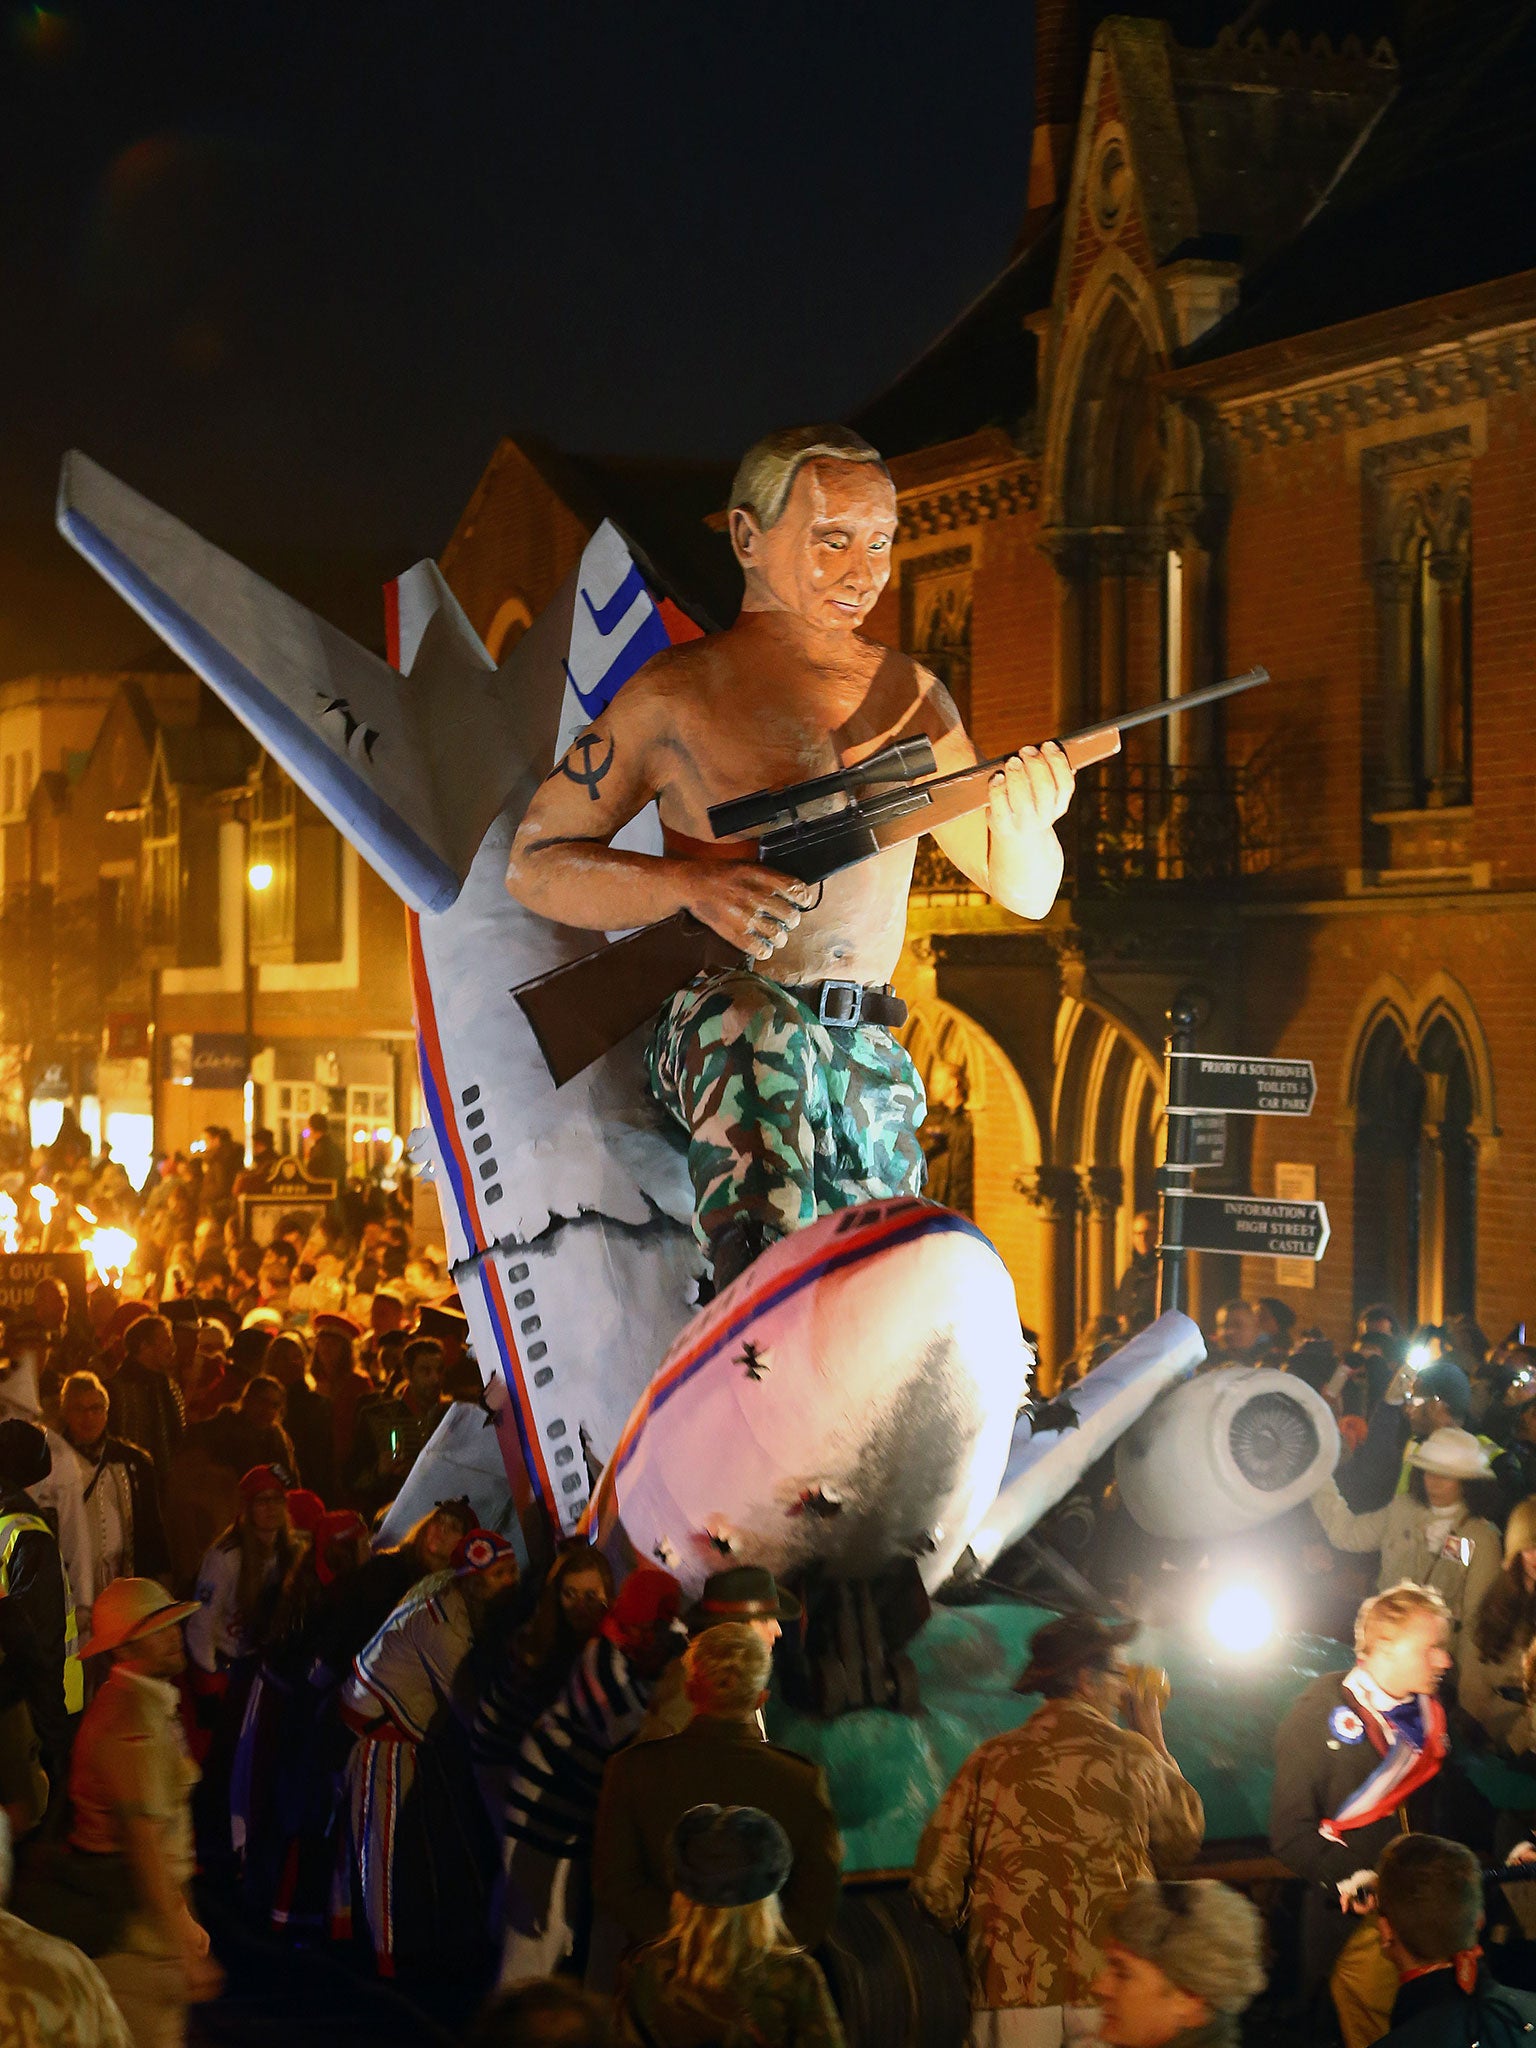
pixel 109 1251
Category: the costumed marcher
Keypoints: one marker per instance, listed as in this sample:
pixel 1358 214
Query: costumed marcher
pixel 238 1585
pixel 37 1632
pixel 422 1847
pixel 1181 1962
pixel 727 1969
pixel 1429 1912
pixel 722 1757
pixel 553 1792
pixel 367 1598
pixel 118 1487
pixel 242 1574
pixel 525 1673
pixel 1352 1758
pixel 49 1991
pixel 783 1071
pixel 130 1791
pixel 1428 1534
pixel 1044 1827
pixel 286 1792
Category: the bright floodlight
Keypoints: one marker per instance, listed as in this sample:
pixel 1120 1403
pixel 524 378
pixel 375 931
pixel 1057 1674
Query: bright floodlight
pixel 1418 1357
pixel 259 875
pixel 1240 1620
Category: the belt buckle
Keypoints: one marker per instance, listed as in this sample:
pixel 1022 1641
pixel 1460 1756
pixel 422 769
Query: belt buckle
pixel 854 990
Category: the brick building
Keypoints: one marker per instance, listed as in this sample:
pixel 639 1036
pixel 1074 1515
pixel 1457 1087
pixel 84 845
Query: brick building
pixel 1256 387
pixel 144 978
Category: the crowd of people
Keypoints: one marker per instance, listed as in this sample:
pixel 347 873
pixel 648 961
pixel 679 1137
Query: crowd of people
pixel 461 1767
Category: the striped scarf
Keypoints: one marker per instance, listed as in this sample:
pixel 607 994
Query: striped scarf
pixel 1409 1736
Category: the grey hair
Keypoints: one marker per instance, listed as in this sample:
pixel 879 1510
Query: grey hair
pixel 766 474
pixel 1205 1938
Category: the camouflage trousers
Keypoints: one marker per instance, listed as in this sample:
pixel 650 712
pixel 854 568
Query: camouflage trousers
pixel 788 1119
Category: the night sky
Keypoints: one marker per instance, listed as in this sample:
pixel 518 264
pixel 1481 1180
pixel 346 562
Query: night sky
pixel 292 270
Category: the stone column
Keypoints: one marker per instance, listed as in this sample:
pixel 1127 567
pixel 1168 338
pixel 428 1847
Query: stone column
pixel 1432 1201
pixel 1070 555
pixel 1394 629
pixel 1055 1193
pixel 1102 1193
pixel 1110 596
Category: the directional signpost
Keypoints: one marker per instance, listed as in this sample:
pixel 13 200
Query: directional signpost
pixel 1204 1089
pixel 1207 1138
pixel 1255 1226
pixel 1240 1087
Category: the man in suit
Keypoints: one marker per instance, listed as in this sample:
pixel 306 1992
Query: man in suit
pixel 720 1758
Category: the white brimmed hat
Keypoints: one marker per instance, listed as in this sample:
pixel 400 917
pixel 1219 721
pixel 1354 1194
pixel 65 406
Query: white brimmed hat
pixel 1452 1454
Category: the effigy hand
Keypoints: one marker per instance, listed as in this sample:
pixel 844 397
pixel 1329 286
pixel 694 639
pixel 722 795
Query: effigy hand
pixel 1030 791
pixel 752 907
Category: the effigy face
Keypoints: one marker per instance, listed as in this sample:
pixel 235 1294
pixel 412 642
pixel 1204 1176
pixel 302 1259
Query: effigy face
pixel 827 556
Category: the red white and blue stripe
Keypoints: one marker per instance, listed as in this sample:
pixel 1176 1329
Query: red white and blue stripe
pixel 1411 1740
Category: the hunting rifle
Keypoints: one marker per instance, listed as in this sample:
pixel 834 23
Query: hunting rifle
pixel 582 1010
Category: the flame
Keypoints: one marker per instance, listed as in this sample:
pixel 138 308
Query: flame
pixel 10 1232
pixel 110 1251
pixel 47 1201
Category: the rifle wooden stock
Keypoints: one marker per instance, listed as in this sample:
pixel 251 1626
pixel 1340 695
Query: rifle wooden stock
pixel 582 1010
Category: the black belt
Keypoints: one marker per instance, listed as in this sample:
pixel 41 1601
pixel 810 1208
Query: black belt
pixel 844 1004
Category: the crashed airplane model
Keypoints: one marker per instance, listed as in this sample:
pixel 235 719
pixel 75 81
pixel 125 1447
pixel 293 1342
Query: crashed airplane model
pixel 851 1399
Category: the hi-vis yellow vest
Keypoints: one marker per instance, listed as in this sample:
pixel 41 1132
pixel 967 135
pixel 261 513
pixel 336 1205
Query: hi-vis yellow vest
pixel 12 1529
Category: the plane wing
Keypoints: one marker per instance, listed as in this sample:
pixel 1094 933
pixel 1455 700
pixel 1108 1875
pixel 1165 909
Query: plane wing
pixel 412 773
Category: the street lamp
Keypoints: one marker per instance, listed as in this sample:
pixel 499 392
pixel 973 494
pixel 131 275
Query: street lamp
pixel 259 877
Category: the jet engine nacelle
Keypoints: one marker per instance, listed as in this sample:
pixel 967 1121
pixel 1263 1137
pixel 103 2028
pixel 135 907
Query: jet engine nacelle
pixel 1226 1452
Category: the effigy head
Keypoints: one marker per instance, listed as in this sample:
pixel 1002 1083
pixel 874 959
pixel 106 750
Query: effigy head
pixel 813 523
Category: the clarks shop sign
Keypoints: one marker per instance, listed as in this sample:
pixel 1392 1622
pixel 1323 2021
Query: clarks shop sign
pixel 206 1059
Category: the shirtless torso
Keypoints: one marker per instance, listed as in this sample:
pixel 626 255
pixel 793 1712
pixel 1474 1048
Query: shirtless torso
pixel 792 690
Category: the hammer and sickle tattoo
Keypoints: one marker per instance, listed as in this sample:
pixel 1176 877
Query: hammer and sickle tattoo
pixel 591 772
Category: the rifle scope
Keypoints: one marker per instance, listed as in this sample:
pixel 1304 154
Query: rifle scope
pixel 903 762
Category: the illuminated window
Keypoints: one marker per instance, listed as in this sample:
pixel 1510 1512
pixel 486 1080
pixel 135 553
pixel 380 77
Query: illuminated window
pixel 297 917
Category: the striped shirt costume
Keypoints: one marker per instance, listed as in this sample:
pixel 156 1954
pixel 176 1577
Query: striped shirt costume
pixel 552 1797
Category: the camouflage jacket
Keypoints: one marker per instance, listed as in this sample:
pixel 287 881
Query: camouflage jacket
pixel 782 2003
pixel 1039 1833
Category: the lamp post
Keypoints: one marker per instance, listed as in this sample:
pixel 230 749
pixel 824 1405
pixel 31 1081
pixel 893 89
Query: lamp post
pixel 258 879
